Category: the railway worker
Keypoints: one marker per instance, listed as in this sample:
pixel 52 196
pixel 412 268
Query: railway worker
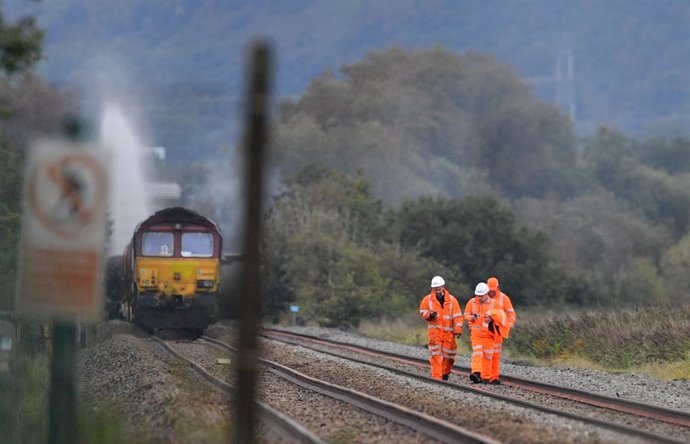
pixel 503 302
pixel 484 320
pixel 442 312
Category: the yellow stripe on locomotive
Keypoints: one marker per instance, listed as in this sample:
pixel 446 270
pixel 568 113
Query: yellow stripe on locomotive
pixel 184 277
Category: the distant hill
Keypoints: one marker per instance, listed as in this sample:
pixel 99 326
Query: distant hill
pixel 624 63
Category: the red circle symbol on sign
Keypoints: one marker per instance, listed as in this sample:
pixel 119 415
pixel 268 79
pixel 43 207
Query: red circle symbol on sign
pixel 67 193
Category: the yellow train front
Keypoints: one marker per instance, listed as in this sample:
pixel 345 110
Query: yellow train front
pixel 171 271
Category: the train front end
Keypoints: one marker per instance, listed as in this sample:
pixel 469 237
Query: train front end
pixel 173 270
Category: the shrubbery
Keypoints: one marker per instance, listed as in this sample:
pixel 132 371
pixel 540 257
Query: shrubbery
pixel 336 250
pixel 612 338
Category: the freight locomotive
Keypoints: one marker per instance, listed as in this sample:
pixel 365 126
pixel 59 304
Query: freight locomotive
pixel 170 272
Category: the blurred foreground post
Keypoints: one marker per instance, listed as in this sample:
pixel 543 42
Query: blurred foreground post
pixel 63 386
pixel 63 369
pixel 9 346
pixel 250 296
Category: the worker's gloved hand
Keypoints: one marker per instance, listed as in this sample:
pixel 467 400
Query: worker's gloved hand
pixel 432 315
pixel 457 335
pixel 475 316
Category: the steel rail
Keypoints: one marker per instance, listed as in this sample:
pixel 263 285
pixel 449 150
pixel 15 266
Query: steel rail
pixel 283 422
pixel 423 363
pixel 623 405
pixel 440 429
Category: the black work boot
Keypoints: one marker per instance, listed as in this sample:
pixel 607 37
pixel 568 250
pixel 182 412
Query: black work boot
pixel 495 381
pixel 475 377
pixel 445 377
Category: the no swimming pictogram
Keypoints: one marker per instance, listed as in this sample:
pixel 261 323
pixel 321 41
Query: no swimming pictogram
pixel 67 192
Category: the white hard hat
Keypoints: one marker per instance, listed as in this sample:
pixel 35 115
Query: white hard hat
pixel 481 289
pixel 437 281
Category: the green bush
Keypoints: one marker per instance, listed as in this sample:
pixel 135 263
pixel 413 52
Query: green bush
pixel 614 339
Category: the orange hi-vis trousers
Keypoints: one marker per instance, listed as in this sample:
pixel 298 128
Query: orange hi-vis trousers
pixel 442 357
pixel 496 360
pixel 482 355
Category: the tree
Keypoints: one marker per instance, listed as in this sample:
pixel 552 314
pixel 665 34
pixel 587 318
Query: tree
pixel 27 107
pixel 673 156
pixel 421 122
pixel 479 236
pixel 20 45
pixel 614 161
pixel 326 249
pixel 598 240
pixel 674 266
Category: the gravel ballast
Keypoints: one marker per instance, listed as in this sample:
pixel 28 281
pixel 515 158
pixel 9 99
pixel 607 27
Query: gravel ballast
pixel 639 388
pixel 161 400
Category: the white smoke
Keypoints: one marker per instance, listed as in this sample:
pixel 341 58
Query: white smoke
pixel 129 200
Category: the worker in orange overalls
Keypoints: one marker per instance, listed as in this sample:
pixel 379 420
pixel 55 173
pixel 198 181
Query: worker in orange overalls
pixel 485 321
pixel 503 302
pixel 442 312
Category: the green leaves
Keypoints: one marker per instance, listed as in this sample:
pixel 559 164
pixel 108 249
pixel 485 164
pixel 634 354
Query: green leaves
pixel 479 237
pixel 335 250
pixel 20 45
pixel 327 249
pixel 419 122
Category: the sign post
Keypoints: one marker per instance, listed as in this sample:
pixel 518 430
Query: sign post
pixel 294 309
pixel 61 259
pixel 63 232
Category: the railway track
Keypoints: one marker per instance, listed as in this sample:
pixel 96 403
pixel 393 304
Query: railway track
pixel 416 421
pixel 275 417
pixel 679 421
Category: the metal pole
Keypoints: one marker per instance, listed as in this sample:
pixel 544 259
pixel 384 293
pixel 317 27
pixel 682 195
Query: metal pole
pixel 8 402
pixel 63 369
pixel 255 141
pixel 63 386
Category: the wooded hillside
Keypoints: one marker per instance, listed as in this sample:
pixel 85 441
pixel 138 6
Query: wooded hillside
pixel 630 58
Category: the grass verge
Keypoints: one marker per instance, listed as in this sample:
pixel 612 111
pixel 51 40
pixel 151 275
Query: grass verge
pixel 648 340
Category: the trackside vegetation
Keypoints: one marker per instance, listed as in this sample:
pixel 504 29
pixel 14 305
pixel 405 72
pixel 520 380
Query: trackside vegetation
pixel 631 339
pixel 412 163
pixel 650 340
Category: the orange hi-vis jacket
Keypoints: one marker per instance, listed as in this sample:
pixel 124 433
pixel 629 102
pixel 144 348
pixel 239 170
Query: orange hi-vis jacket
pixel 483 334
pixel 448 322
pixel 442 330
pixel 503 302
pixel 475 315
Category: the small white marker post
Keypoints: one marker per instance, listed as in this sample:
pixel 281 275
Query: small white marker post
pixel 294 309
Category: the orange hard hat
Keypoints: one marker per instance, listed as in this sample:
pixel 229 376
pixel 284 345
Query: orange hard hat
pixel 492 283
pixel 498 315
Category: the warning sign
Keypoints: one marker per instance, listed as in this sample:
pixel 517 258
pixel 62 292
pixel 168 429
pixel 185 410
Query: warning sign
pixel 67 193
pixel 63 231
